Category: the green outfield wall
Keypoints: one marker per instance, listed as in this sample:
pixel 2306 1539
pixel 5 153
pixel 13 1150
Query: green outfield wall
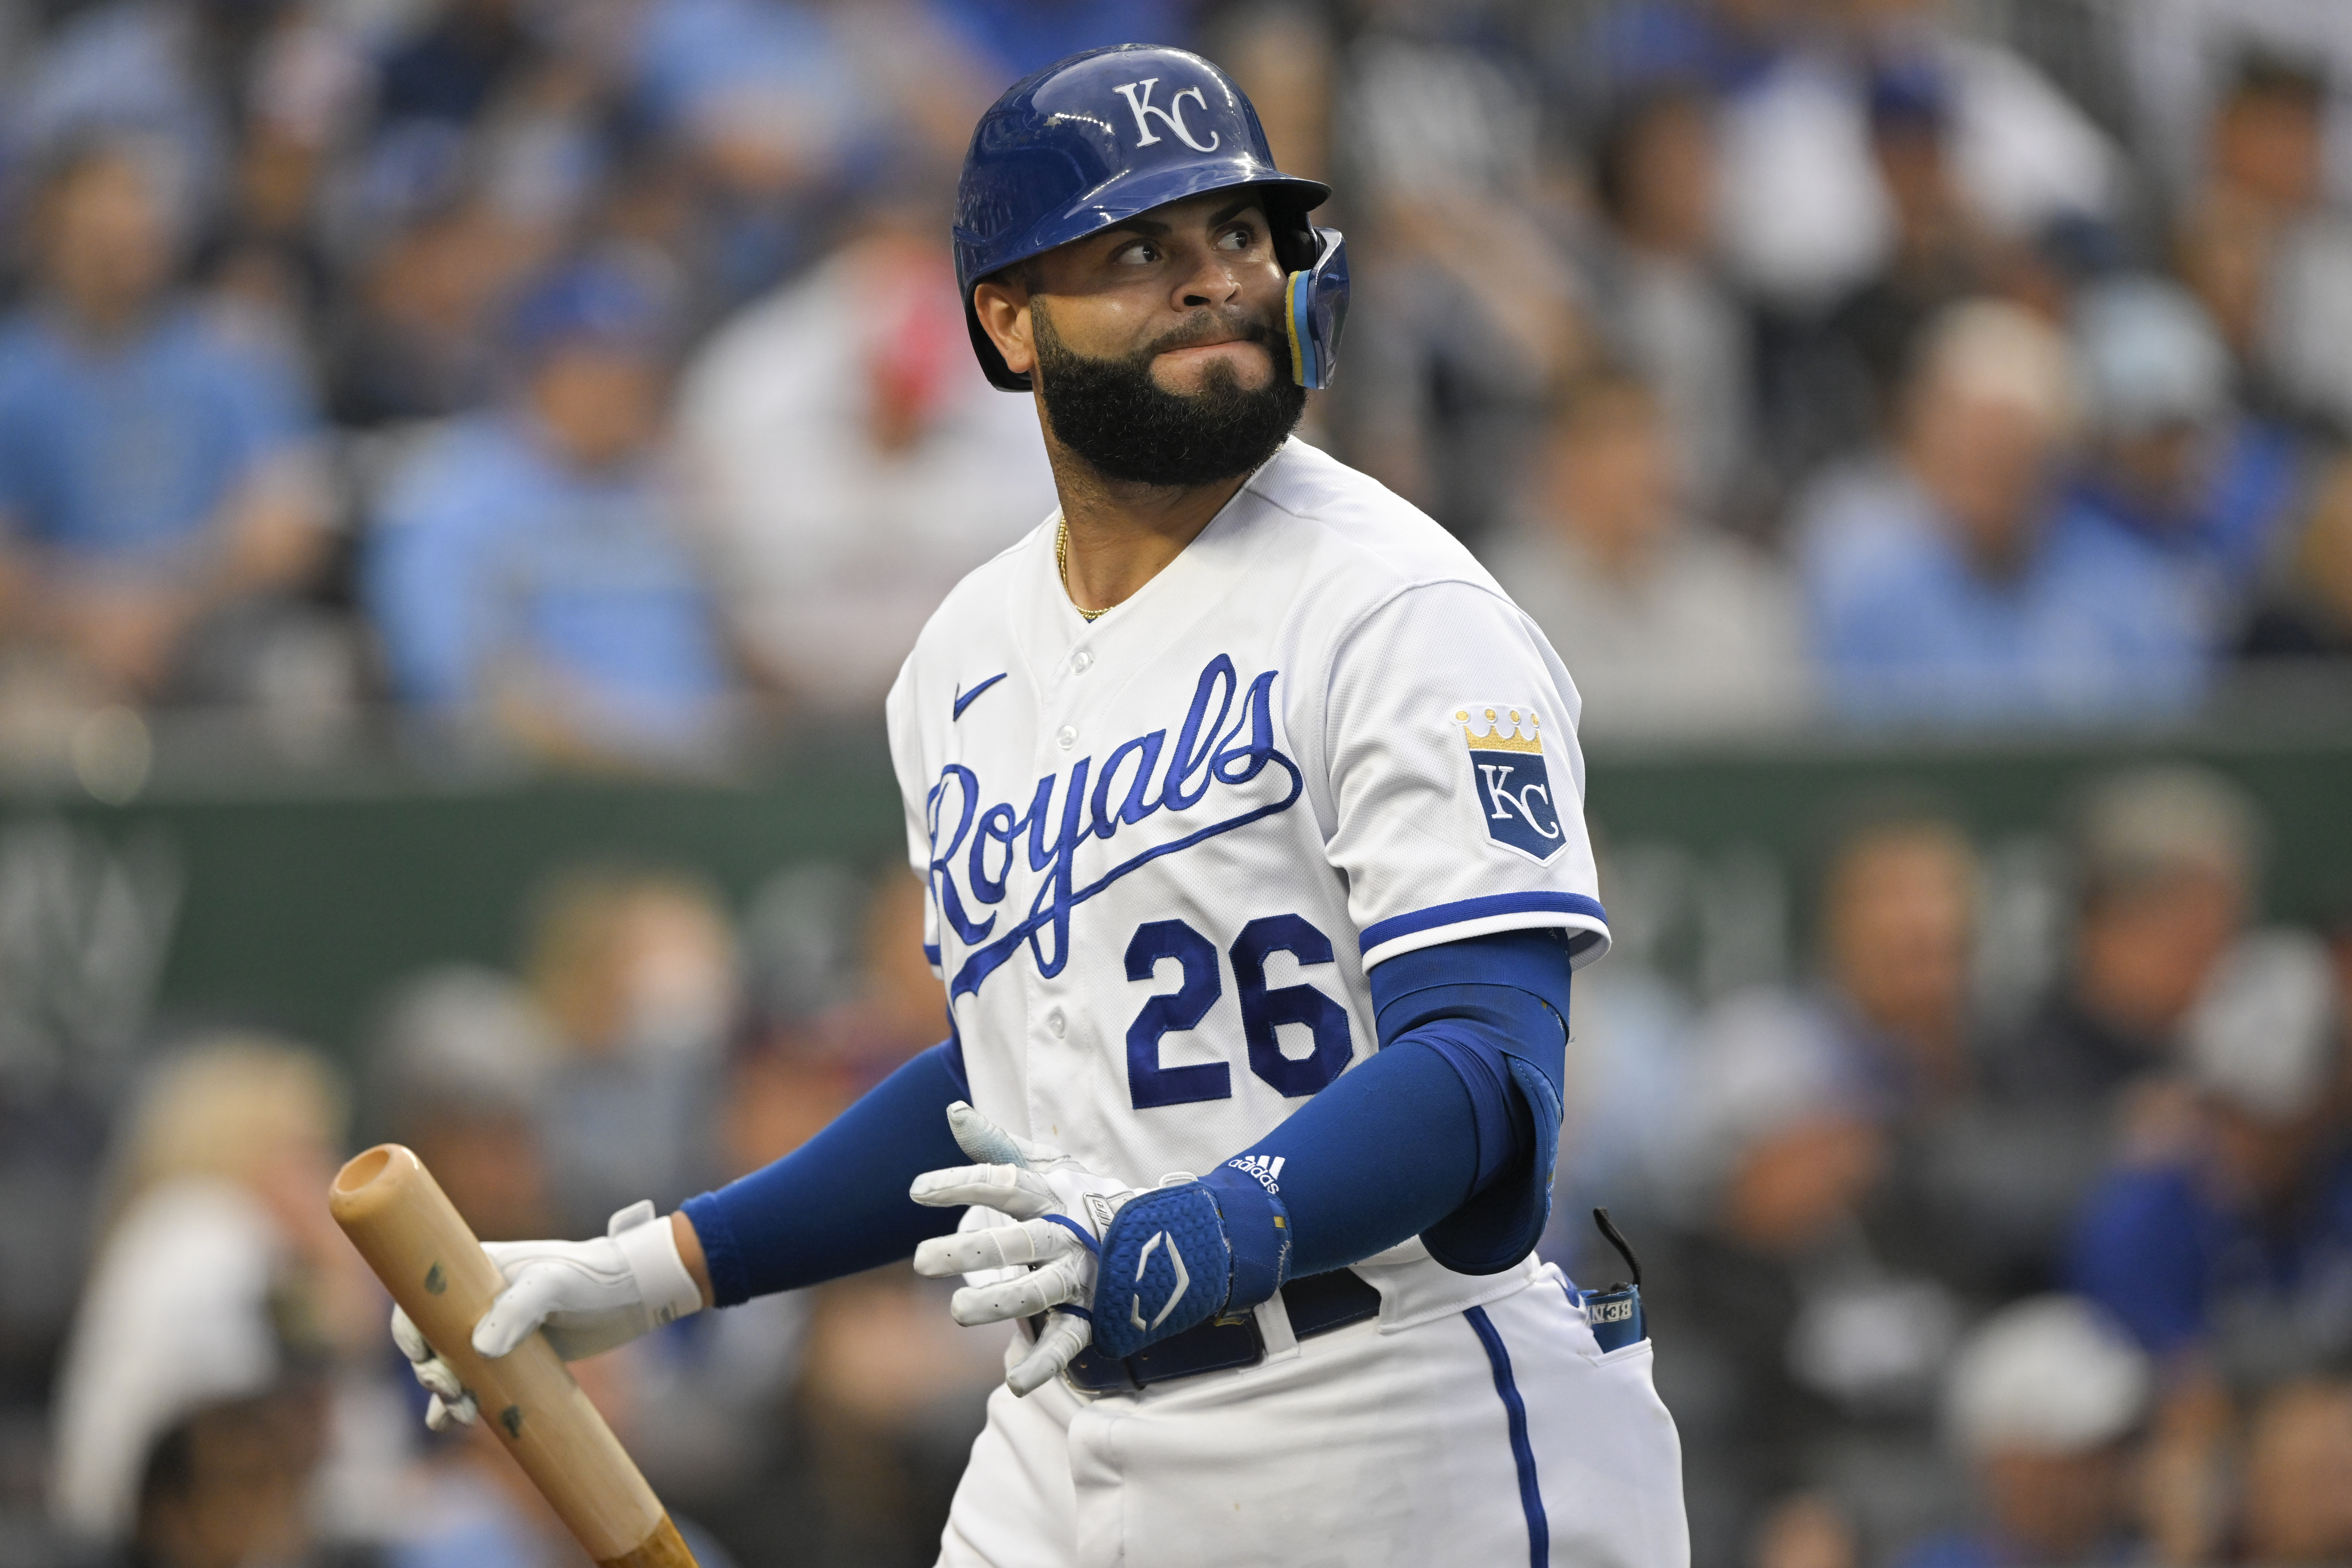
pixel 294 904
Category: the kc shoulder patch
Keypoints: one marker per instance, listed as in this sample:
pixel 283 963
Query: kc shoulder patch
pixel 1509 781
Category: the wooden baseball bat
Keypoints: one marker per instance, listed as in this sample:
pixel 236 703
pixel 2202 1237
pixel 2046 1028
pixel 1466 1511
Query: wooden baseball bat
pixel 412 1236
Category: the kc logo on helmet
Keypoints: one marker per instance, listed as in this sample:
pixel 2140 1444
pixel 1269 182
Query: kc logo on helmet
pixel 1172 117
pixel 1513 786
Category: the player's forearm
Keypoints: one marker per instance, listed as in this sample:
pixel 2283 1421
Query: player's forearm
pixel 838 1203
pixel 1439 1135
pixel 1384 1153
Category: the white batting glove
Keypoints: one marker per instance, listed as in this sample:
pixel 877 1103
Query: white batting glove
pixel 1063 1208
pixel 589 1296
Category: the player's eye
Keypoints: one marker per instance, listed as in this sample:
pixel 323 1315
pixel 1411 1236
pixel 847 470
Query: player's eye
pixel 1241 237
pixel 1135 253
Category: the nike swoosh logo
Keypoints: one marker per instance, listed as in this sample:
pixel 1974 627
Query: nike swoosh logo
pixel 963 698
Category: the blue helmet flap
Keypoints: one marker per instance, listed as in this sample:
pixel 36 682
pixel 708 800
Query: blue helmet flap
pixel 1317 301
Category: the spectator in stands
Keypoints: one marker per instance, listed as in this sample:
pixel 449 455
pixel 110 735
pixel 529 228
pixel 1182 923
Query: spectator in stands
pixel 1808 1338
pixel 471 1506
pixel 1656 291
pixel 891 1392
pixel 2222 1241
pixel 453 69
pixel 2182 56
pixel 2163 872
pixel 1452 347
pixel 2171 464
pixel 1826 1113
pixel 231 1482
pixel 1671 627
pixel 636 968
pixel 2166 860
pixel 1837 391
pixel 1811 212
pixel 1872 1191
pixel 2303 609
pixel 460 1062
pixel 220 1298
pixel 2298 1474
pixel 852 463
pixel 412 335
pixel 143 73
pixel 2042 1405
pixel 530 575
pixel 2222 1235
pixel 2026 152
pixel 768 109
pixel 1897 933
pixel 158 482
pixel 1944 585
pixel 2257 242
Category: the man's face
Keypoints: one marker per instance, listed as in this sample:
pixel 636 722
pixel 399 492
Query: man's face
pixel 600 405
pixel 1157 346
pixel 2272 145
pixel 1611 475
pixel 1898 929
pixel 2143 954
pixel 1986 461
pixel 109 252
pixel 2052 1507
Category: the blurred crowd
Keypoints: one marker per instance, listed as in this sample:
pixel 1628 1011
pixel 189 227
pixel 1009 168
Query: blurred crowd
pixel 583 379
pixel 218 1389
pixel 1950 1261
pixel 1949 1271
pixel 586 379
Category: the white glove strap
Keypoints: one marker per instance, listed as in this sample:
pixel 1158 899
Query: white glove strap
pixel 650 1246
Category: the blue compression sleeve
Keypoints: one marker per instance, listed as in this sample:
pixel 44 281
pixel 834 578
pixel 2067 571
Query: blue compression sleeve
pixel 838 1203
pixel 1497 1007
pixel 1448 1133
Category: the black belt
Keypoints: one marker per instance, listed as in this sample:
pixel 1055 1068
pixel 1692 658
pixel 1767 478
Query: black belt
pixel 1317 1305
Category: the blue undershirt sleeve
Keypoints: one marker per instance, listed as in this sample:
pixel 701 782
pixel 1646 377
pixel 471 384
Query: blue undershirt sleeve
pixel 838 1203
pixel 1450 1133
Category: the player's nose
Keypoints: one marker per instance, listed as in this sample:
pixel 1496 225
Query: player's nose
pixel 1214 281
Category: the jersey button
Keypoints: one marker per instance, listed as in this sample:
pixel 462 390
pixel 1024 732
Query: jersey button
pixel 1082 662
pixel 1068 738
pixel 1055 1022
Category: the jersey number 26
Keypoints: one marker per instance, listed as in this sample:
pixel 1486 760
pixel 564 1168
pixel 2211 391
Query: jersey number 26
pixel 1149 1084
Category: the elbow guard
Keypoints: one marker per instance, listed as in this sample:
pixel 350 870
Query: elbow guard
pixel 1496 1008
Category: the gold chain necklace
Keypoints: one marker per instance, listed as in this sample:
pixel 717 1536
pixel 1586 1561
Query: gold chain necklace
pixel 1062 565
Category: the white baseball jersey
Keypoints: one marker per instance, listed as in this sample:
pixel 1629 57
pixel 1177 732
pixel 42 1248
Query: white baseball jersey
pixel 1164 848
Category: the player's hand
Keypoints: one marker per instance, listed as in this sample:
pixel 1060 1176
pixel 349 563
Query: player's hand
pixel 1063 1209
pixel 589 1296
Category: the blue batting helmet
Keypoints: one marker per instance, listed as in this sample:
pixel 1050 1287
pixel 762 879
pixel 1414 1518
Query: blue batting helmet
pixel 1102 136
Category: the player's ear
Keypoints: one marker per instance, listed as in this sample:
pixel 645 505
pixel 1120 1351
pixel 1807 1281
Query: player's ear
pixel 1003 305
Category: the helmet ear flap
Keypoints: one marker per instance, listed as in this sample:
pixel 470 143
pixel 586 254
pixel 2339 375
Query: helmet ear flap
pixel 1296 243
pixel 1315 308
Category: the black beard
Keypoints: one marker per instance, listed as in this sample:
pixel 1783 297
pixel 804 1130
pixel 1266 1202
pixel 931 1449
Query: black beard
pixel 1128 427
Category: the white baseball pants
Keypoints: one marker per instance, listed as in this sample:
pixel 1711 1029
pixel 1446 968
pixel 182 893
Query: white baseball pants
pixel 1489 1438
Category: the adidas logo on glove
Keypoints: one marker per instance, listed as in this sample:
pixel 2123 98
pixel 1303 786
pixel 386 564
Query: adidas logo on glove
pixel 1264 1169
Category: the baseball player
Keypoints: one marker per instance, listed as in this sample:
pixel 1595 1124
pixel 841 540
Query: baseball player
pixel 1250 810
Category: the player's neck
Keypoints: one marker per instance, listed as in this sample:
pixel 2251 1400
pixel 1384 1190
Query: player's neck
pixel 1123 535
